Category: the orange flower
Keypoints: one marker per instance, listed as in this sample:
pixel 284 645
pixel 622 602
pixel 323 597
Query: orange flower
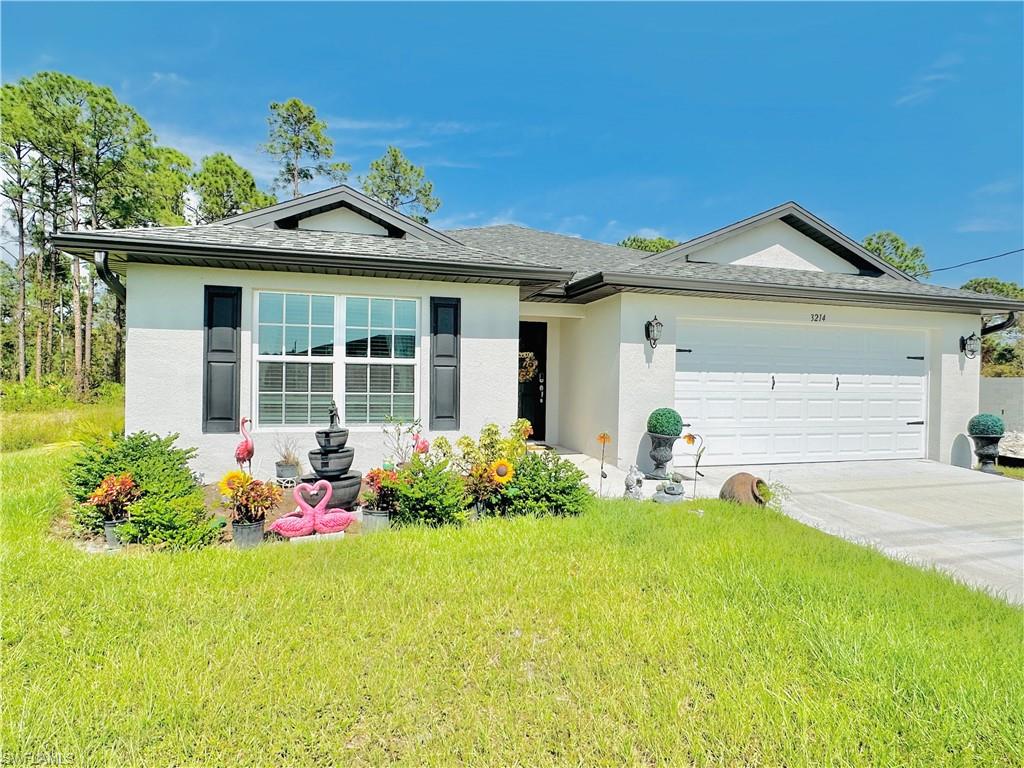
pixel 690 439
pixel 604 438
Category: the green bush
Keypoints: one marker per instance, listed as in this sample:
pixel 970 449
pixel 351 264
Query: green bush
pixel 170 510
pixel 158 467
pixel 985 424
pixel 665 421
pixel 545 484
pixel 174 523
pixel 55 393
pixel 430 492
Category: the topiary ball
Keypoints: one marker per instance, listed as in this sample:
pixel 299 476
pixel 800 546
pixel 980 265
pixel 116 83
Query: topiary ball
pixel 665 421
pixel 985 424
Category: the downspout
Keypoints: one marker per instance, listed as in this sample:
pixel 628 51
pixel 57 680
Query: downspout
pixel 111 280
pixel 1002 325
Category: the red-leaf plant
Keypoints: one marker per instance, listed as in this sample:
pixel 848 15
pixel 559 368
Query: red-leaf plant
pixel 114 494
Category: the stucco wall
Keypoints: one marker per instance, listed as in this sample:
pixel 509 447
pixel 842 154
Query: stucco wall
pixel 165 356
pixel 589 377
pixel 646 377
pixel 1004 397
pixel 774 244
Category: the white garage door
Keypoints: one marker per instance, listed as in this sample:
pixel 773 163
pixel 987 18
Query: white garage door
pixel 774 393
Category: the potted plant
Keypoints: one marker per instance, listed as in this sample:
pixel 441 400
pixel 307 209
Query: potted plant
pixel 986 430
pixel 289 464
pixel 248 501
pixel 664 426
pixel 380 499
pixel 112 497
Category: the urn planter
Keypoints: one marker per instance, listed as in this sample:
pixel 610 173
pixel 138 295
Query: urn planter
pixel 986 448
pixel 661 454
pixel 247 535
pixel 111 534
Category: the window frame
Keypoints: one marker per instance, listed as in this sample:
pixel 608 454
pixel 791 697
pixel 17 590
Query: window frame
pixel 339 358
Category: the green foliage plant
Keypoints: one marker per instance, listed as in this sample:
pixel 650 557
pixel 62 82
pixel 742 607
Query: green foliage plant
pixel 544 484
pixel 985 424
pixel 665 421
pixel 430 493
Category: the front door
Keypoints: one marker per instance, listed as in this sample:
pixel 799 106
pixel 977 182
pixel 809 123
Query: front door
pixel 533 361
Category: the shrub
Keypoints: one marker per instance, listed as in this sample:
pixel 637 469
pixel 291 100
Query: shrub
pixel 475 458
pixel 181 523
pixel 430 492
pixel 156 465
pixel 169 509
pixel 985 424
pixel 544 484
pixel 665 421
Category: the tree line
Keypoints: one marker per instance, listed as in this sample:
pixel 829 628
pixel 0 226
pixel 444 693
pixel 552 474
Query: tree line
pixel 72 156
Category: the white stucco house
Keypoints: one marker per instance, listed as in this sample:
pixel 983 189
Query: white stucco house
pixel 782 340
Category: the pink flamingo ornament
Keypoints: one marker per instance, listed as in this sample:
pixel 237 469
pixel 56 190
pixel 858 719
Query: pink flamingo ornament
pixel 301 522
pixel 245 449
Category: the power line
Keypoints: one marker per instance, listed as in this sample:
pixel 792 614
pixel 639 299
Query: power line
pixel 964 264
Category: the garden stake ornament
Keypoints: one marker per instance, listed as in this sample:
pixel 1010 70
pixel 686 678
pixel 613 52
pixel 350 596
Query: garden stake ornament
pixel 604 439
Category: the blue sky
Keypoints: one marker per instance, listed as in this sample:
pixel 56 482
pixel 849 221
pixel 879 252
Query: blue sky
pixel 601 120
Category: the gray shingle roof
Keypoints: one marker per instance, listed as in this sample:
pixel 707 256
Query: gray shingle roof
pixel 798 278
pixel 312 241
pixel 550 249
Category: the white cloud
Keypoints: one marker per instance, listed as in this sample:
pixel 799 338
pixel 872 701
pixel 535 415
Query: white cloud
pixel 197 146
pixel 987 224
pixel 997 188
pixel 169 79
pixel 356 124
pixel 933 78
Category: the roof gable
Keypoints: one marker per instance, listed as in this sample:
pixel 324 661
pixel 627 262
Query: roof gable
pixel 802 221
pixel 290 214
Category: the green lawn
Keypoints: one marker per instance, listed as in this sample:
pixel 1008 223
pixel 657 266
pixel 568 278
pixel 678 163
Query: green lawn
pixel 634 635
pixel 1017 473
pixel 19 430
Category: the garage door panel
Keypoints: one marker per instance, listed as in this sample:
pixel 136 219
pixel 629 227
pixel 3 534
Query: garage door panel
pixel 724 388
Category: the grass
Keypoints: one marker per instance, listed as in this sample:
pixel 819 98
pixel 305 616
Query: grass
pixel 633 635
pixel 20 430
pixel 1017 473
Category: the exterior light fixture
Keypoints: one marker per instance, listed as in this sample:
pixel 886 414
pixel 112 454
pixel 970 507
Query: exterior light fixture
pixel 970 346
pixel 652 331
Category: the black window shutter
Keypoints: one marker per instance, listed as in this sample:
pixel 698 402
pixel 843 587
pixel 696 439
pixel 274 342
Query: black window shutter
pixel 445 333
pixel 222 357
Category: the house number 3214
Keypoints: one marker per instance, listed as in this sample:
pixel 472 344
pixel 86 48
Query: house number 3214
pixel 817 317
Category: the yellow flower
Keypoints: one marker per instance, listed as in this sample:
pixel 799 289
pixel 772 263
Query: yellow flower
pixel 501 471
pixel 227 483
pixel 604 438
pixel 690 439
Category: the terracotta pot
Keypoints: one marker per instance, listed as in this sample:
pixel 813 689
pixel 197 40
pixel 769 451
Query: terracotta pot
pixel 986 448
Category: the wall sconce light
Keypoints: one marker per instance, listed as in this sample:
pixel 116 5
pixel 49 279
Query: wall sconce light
pixel 652 331
pixel 970 346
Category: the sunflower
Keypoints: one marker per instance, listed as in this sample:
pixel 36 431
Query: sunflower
pixel 501 471
pixel 227 484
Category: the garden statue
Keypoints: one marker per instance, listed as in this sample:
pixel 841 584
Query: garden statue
pixel 670 491
pixel 245 449
pixel 333 412
pixel 634 484
pixel 308 519
pixel 744 488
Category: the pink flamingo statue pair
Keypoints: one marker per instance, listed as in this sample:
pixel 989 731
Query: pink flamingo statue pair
pixel 308 519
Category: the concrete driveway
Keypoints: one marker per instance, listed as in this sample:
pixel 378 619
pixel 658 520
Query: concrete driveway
pixel 964 522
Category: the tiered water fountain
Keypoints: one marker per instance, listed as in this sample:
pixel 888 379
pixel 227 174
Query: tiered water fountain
pixel 332 462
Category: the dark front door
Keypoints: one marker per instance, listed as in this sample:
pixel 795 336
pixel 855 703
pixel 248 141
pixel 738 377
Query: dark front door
pixel 533 362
